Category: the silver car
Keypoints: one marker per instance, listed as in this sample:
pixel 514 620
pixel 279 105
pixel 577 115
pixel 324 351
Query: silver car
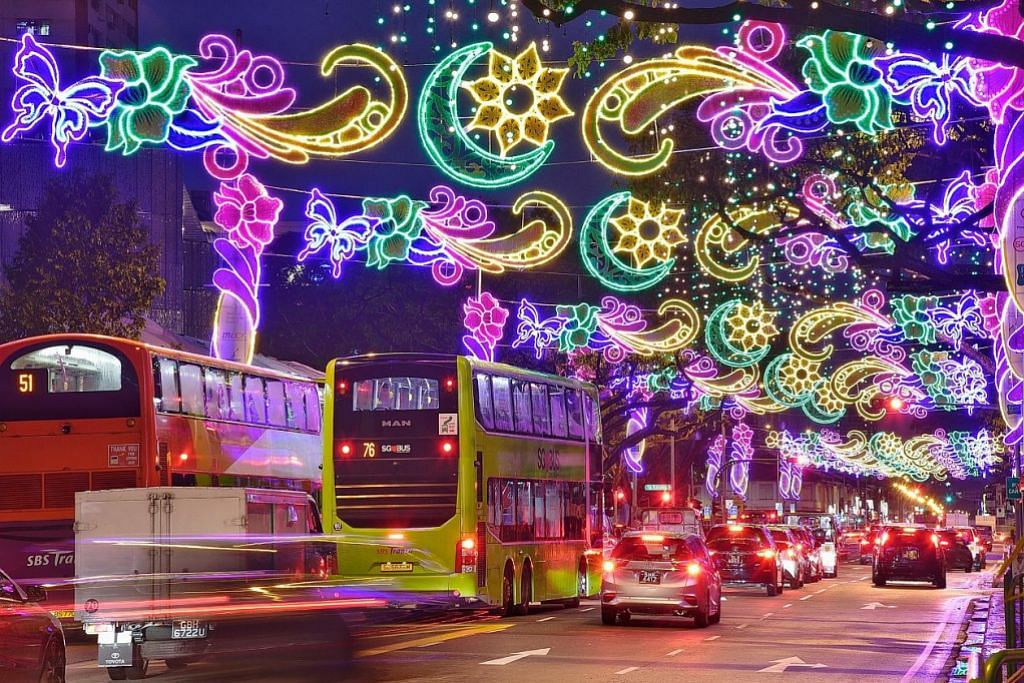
pixel 661 574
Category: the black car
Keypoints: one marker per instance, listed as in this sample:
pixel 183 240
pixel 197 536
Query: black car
pixel 31 639
pixel 909 554
pixel 746 555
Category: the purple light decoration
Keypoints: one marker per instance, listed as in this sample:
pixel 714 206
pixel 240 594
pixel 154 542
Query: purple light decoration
pixel 639 419
pixel 928 87
pixel 790 480
pixel 248 214
pixel 484 318
pixel 741 452
pixel 530 329
pixel 71 110
pixel 323 229
pixel 999 87
pixel 715 454
pixel 957 204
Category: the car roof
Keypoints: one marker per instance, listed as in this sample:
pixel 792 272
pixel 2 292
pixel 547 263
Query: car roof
pixel 665 534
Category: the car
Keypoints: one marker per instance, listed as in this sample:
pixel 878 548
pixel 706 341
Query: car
pixel 31 640
pixel 829 560
pixel 746 555
pixel 985 537
pixel 908 553
pixel 810 545
pixel 868 543
pixel 661 574
pixel 958 554
pixel 795 563
pixel 975 544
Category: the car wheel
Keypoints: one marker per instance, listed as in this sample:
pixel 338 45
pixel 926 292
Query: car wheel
pixel 717 616
pixel 940 581
pixel 176 664
pixel 117 673
pixel 525 592
pixel 54 662
pixel 508 607
pixel 701 618
pixel 624 617
pixel 969 568
pixel 137 671
pixel 773 589
pixel 878 580
pixel 608 616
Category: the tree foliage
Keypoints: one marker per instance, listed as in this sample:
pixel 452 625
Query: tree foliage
pixel 84 264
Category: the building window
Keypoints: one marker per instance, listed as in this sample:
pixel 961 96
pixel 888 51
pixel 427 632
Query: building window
pixel 33 27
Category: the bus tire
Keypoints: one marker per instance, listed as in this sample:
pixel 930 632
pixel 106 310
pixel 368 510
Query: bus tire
pixel 507 596
pixel 525 590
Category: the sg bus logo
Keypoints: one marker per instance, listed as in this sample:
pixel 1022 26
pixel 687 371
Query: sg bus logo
pixel 549 459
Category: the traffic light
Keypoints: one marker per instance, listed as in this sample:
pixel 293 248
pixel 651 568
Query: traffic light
pixel 949 498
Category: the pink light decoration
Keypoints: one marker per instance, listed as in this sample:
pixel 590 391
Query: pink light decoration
pixel 998 87
pixel 741 452
pixel 484 318
pixel 715 454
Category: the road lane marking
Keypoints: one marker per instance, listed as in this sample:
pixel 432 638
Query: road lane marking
pixel 673 653
pixel 741 627
pixel 807 597
pixel 439 638
pixel 821 591
pixel 767 614
pixel 712 637
pixel 588 609
pixel 779 666
pixel 516 656
pixel 628 669
pixel 545 619
pixel 436 642
pixel 787 606
pixel 940 630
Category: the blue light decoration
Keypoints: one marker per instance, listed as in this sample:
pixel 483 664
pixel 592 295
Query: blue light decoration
pixel 716 454
pixel 929 88
pixel 639 420
pixel 741 453
pixel 70 110
pixel 791 479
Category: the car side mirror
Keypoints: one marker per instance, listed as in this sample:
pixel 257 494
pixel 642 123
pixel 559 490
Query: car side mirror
pixel 35 593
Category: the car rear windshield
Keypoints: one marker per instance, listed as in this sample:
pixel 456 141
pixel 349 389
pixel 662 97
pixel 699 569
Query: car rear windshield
pixel 951 537
pixel 909 536
pixel 651 549
pixel 723 537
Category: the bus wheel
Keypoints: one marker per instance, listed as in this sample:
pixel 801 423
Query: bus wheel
pixel 525 591
pixel 581 585
pixel 507 599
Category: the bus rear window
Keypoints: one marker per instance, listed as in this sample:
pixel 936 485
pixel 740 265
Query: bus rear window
pixel 395 393
pixel 65 381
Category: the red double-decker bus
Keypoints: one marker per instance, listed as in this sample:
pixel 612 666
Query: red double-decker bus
pixel 84 413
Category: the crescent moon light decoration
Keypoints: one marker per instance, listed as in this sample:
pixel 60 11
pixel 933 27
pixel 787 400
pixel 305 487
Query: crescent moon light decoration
pixel 446 140
pixel 739 334
pixel 717 239
pixel 599 257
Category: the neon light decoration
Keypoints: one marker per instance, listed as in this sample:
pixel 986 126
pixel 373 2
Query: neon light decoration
pixel 599 256
pixel 791 480
pixel 447 142
pixel 245 94
pixel 717 242
pixel 996 86
pixel 484 318
pixel 647 233
pixel 928 87
pixel 456 236
pixel 248 214
pixel 715 454
pixel 951 383
pixel 70 110
pixel 815 325
pixel 738 334
pixel 741 452
pixel 639 419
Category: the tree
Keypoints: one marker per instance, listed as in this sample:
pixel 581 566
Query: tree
pixel 84 264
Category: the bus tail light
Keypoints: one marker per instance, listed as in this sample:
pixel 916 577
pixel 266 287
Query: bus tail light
pixel 447 447
pixel 342 387
pixel 345 450
pixel 465 556
pixel 449 383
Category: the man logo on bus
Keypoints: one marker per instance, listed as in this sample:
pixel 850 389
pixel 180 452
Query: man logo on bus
pixel 549 459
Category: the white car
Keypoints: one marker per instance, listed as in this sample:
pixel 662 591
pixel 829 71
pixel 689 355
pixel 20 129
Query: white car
pixel 829 559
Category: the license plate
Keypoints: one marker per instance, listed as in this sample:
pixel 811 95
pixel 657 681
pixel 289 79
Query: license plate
pixel 735 559
pixel 187 628
pixel 649 577
pixel 911 554
pixel 395 567
pixel 63 613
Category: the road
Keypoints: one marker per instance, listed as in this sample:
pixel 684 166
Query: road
pixel 841 629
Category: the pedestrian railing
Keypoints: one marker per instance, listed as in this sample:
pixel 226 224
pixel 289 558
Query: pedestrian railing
pixel 1013 597
pixel 991 670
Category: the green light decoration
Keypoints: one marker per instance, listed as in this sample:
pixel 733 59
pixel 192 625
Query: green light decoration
pixel 911 314
pixel 580 325
pixel 869 207
pixel 155 92
pixel 775 383
pixel 599 257
pixel 445 139
pixel 397 229
pixel 738 334
pixel 841 69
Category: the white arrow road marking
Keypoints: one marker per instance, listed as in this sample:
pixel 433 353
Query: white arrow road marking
pixel 516 656
pixel 588 609
pixel 779 666
pixel 786 606
pixel 876 605
pixel 741 627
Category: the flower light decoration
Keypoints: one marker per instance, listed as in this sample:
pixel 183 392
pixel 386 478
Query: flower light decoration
pixel 716 453
pixel 741 453
pixel 484 318
pixel 647 232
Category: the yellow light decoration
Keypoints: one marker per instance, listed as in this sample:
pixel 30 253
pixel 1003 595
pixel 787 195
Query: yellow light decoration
pixel 918 450
pixel 730 384
pixel 848 383
pixel 798 376
pixel 647 233
pixel 495 95
pixel 350 122
pixel 759 405
pixel 674 334
pixel 751 326
pixel 717 235
pixel 636 96
pixel 532 246
pixel 813 326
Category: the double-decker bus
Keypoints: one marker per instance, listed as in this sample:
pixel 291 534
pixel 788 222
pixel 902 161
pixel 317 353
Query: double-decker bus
pixel 85 413
pixel 463 483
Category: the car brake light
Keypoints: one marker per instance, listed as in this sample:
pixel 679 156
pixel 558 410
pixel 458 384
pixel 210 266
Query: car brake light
pixel 935 540
pixel 652 538
pixel 609 566
pixel 766 554
pixel 943 542
pixel 863 541
pixel 465 556
pixel 790 554
pixel 735 527
pixel 909 529
pixel 883 539
pixel 693 569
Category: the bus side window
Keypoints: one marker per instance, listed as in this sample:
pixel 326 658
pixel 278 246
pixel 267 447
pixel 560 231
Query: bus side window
pixel 275 403
pixel 167 375
pixel 485 408
pixel 553 512
pixel 507 507
pixel 524 511
pixel 539 530
pixel 216 394
pixel 255 401
pixel 592 414
pixel 502 394
pixel 574 411
pixel 541 418
pixel 236 397
pixel 295 410
pixel 557 411
pixel 521 405
pixel 493 510
pixel 312 408
pixel 191 389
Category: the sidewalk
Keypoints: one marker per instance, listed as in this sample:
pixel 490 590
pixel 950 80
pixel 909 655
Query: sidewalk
pixel 983 630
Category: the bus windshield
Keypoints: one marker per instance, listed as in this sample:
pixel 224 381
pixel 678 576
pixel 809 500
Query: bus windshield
pixel 395 393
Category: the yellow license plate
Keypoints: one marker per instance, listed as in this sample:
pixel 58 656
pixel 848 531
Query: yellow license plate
pixel 395 567
pixel 63 613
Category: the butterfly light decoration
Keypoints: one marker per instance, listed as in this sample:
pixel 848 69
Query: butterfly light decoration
pixel 345 238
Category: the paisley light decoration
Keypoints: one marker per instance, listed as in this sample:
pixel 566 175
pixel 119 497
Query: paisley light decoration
pixel 639 419
pixel 456 236
pixel 791 479
pixel 716 454
pixel 484 319
pixel 738 334
pixel 599 256
pixel 647 232
pixel 870 337
pixel 70 110
pixel 857 383
pixel 446 140
pixel 246 96
pixel 741 453
pixel 636 96
pixel 815 325
pixel 717 242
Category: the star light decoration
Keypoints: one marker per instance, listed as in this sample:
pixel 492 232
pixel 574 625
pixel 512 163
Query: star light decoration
pixel 751 326
pixel 648 232
pixel 518 99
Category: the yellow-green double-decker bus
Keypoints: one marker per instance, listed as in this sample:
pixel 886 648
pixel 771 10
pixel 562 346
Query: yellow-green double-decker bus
pixel 463 483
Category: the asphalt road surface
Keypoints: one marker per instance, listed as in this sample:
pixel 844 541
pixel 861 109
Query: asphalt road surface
pixel 841 629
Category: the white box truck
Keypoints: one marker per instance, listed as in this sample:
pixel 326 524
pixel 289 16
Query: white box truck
pixel 179 573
